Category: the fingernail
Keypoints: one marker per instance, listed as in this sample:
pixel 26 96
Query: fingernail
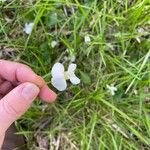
pixel 30 91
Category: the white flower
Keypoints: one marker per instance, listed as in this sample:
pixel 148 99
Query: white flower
pixel 53 44
pixel 59 76
pixel 28 27
pixel 111 89
pixel 87 39
pixel 121 2
pixel 70 58
pixel 73 58
pixel 135 91
pixel 140 30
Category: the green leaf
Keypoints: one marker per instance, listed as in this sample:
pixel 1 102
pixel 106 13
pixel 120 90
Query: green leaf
pixel 85 78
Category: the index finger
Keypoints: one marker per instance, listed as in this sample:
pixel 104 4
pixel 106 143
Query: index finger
pixel 16 72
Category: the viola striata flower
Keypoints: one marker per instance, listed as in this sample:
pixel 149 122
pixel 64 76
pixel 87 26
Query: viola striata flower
pixel 72 58
pixel 111 89
pixel 53 44
pixel 28 27
pixel 87 39
pixel 59 76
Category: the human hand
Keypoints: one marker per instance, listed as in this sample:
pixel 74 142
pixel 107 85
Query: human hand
pixel 19 86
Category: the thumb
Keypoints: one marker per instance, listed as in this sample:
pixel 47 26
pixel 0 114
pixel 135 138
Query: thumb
pixel 15 103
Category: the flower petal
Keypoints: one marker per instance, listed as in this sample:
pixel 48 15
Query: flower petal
pixel 72 67
pixel 28 28
pixel 87 39
pixel 53 44
pixel 57 70
pixel 111 89
pixel 74 79
pixel 59 83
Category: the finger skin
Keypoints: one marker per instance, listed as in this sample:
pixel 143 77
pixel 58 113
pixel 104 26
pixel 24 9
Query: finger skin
pixel 13 71
pixel 15 103
pixel 16 72
pixel 5 87
pixel 47 94
pixel 1 81
pixel 1 139
pixel 1 96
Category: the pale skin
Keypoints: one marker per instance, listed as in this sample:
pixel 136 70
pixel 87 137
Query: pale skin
pixel 19 86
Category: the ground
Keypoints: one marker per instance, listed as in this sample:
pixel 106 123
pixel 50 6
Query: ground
pixel 110 42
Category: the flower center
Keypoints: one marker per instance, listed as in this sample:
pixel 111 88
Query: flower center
pixel 68 74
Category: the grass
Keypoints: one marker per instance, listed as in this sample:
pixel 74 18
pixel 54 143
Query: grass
pixel 87 116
